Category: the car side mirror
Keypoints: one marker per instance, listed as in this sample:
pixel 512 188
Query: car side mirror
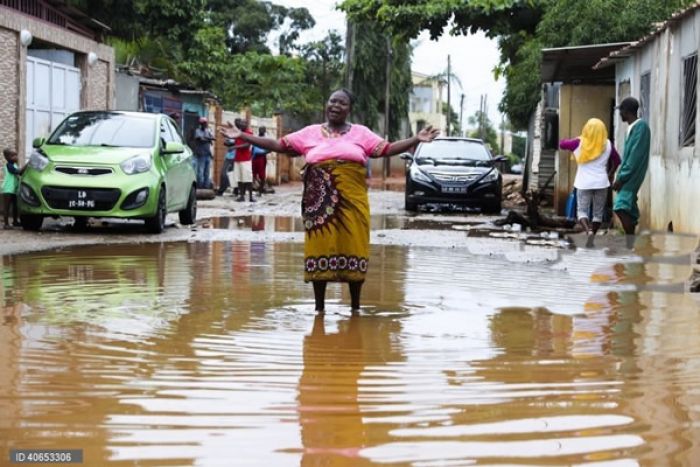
pixel 499 159
pixel 173 148
pixel 407 156
pixel 38 142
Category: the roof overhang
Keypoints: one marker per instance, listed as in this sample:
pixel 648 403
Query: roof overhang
pixel 575 64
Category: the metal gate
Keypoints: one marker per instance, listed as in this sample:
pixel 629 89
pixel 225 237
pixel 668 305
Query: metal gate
pixel 53 91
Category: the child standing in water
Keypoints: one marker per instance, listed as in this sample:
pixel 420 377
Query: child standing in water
pixel 10 186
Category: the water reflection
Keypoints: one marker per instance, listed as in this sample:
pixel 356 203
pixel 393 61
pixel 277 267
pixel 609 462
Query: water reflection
pixel 258 223
pixel 200 353
pixel 332 428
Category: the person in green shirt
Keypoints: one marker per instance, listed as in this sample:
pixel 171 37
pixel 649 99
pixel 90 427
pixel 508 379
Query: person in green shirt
pixel 635 162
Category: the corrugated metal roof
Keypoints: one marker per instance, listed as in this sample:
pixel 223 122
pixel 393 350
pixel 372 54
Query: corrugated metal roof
pixel 575 63
pixel 625 52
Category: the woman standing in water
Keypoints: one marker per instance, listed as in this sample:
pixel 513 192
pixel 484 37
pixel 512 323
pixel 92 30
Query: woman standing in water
pixel 335 206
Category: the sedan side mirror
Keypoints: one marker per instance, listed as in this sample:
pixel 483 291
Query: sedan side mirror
pixel 38 142
pixel 173 148
pixel 407 156
pixel 499 159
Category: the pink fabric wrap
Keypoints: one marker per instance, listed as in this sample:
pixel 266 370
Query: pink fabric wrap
pixel 317 145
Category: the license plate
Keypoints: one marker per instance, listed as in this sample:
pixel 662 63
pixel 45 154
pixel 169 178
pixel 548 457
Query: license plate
pixel 454 189
pixel 81 200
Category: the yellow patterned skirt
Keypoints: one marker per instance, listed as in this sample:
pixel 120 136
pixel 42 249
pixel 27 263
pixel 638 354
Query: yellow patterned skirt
pixel 335 210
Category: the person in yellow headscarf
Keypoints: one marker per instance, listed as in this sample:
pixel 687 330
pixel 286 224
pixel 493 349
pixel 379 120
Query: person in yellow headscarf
pixel 597 160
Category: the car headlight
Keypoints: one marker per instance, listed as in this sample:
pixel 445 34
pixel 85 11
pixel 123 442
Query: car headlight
pixel 136 165
pixel 38 161
pixel 418 174
pixel 492 176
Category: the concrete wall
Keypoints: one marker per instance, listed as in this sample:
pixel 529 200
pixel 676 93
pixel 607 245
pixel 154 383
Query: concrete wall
pixel 97 80
pixel 126 92
pixel 577 104
pixel 671 191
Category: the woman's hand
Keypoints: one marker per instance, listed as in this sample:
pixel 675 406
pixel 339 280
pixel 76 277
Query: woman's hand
pixel 427 134
pixel 230 131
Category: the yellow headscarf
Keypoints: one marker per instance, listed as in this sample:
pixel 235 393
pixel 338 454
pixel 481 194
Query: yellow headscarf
pixel 594 139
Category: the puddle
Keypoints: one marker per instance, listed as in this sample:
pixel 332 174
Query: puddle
pixel 199 353
pixel 295 224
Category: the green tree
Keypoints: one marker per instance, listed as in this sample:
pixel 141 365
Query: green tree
pixel 266 83
pixel 519 145
pixel 453 118
pixel 482 128
pixel 324 70
pixel 176 20
pixel 250 22
pixel 367 73
pixel 523 28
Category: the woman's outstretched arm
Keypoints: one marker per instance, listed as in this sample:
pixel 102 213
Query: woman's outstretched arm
pixel 260 141
pixel 426 135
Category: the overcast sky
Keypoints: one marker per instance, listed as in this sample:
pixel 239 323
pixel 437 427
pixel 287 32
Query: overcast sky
pixel 473 57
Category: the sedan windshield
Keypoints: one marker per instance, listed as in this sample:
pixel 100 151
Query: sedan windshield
pixel 105 129
pixel 453 149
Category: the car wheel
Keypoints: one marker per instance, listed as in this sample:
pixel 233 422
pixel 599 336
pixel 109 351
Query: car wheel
pixel 188 216
pixel 31 222
pixel 493 207
pixel 409 205
pixel 156 224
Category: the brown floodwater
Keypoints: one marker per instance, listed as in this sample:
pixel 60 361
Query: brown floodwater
pixel 258 223
pixel 211 354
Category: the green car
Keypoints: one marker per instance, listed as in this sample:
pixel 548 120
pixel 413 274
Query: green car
pixel 130 165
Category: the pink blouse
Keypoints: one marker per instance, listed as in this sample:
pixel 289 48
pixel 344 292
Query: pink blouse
pixel 317 144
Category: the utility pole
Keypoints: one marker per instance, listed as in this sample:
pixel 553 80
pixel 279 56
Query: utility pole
pixel 480 120
pixel 461 111
pixel 503 132
pixel 449 101
pixel 350 55
pixel 386 172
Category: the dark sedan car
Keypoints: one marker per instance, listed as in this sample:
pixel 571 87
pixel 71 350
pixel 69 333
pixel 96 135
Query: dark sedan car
pixel 458 171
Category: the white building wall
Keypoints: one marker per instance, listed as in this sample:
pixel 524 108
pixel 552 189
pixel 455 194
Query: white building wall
pixel 671 191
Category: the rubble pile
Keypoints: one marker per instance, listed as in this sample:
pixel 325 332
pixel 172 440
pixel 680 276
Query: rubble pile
pixel 512 193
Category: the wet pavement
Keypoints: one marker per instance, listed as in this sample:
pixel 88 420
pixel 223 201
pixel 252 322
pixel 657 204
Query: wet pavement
pixel 488 351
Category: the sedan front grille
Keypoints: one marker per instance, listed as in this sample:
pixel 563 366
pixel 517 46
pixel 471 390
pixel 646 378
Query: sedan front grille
pixel 84 170
pixel 81 199
pixel 455 178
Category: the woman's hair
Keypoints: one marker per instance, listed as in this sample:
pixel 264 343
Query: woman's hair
pixel 347 92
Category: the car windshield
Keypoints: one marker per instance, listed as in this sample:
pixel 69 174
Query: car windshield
pixel 453 149
pixel 105 129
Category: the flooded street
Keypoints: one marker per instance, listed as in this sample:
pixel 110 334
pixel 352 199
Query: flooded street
pixel 210 353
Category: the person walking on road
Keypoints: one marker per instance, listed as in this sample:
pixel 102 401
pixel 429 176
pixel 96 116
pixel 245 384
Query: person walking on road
pixel 635 162
pixel 597 160
pixel 202 144
pixel 227 168
pixel 335 205
pixel 260 165
pixel 242 174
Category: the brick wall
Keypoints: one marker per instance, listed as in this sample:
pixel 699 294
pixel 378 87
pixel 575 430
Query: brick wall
pixel 8 89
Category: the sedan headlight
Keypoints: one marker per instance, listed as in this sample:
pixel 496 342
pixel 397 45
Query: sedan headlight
pixel 418 174
pixel 136 165
pixel 493 175
pixel 38 161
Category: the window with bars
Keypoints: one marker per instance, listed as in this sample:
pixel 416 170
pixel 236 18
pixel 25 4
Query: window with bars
pixel 689 100
pixel 645 95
